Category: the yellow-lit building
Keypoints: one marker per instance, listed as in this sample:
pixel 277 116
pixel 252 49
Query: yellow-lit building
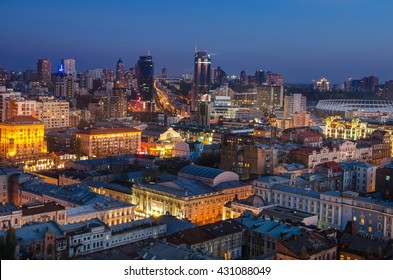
pixel 22 136
pixel 160 143
pixel 22 142
pixel 198 195
pixel 101 142
pixel 338 128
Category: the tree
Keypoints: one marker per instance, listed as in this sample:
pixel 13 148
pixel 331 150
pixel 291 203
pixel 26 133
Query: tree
pixel 8 245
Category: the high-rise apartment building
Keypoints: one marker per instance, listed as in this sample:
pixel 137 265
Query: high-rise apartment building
pixel 4 97
pixel 44 71
pixel 269 98
pixel 64 86
pixel 294 103
pixel 322 85
pixel 202 77
pixel 145 77
pixel 54 113
pixel 117 106
pixel 68 65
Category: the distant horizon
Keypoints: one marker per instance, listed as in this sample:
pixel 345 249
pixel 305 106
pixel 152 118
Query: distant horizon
pixel 303 40
pixel 157 72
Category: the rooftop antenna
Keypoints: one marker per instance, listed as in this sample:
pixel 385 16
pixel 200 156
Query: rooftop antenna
pixel 196 49
pixel 148 52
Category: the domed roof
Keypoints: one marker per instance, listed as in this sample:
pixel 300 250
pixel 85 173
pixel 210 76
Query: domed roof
pixel 255 201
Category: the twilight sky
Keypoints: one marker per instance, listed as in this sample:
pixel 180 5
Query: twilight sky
pixel 302 39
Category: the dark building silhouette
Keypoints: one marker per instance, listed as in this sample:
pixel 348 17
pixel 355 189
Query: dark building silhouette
pixel 220 77
pixel 202 77
pixel 388 90
pixel 118 99
pixel 144 75
pixel 44 71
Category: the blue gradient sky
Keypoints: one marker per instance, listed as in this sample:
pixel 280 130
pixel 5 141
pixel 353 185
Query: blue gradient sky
pixel 302 39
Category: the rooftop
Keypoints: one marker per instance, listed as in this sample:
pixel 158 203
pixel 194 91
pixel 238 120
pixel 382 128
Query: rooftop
pixel 298 191
pixel 33 233
pixel 41 208
pixel 308 244
pixel 7 209
pixel 270 228
pixel 202 171
pixel 182 188
pixel 23 120
pixel 283 213
pixel 109 130
pixel 83 227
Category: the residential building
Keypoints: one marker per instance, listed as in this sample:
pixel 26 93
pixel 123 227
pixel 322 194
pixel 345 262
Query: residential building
pixel 42 241
pixel 307 246
pixel 294 103
pixel 87 237
pixel 136 231
pixel 44 212
pixel 270 98
pixel 10 215
pixel 100 142
pixel 223 239
pixel 263 235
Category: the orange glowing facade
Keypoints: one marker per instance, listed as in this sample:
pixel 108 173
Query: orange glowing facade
pixel 22 137
pixel 101 142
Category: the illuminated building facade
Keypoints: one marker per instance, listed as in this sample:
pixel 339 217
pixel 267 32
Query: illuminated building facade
pixel 101 142
pixel 54 113
pixel 198 195
pixel 22 142
pixel 22 136
pixel 338 128
pixel 322 85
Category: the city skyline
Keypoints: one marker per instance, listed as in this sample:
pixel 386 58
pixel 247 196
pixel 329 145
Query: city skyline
pixel 304 40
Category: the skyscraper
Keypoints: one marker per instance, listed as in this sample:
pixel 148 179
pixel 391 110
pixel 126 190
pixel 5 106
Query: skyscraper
pixel 44 71
pixel 202 77
pixel 144 75
pixel 118 100
pixel 119 82
pixel 69 66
